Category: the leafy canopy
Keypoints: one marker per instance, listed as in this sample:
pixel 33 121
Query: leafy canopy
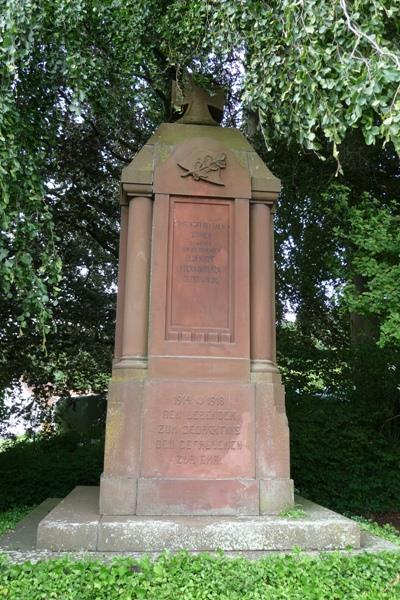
pixel 316 69
pixel 311 71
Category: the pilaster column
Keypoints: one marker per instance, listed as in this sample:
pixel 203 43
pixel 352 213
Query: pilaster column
pixel 123 238
pixel 137 283
pixel 262 321
pixel 272 238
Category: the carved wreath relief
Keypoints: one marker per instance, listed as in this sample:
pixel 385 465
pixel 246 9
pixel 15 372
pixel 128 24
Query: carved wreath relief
pixel 206 168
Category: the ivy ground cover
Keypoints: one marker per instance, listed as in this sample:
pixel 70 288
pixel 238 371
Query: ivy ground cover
pixel 187 577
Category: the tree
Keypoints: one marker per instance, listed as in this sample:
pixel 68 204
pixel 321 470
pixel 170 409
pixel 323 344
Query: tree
pixel 84 84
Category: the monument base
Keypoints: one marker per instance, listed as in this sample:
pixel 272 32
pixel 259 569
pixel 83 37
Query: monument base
pixel 196 448
pixel 75 524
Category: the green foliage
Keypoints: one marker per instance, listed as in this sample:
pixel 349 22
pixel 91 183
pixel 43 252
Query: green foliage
pixel 340 459
pixel 30 267
pixel 319 68
pixel 191 577
pixel 62 62
pixel 338 252
pixel 312 74
pixel 9 518
pixel 293 512
pixel 33 470
pixel 79 347
pixel 80 414
pixel 308 366
pixel 372 232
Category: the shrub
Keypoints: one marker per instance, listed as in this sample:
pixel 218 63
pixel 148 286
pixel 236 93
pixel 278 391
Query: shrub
pixel 33 470
pixel 339 459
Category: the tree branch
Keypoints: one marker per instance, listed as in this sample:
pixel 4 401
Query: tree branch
pixel 360 34
pixel 113 153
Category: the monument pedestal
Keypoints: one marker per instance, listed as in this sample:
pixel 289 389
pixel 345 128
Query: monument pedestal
pixel 177 447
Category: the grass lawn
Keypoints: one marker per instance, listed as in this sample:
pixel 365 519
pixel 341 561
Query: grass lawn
pixel 206 577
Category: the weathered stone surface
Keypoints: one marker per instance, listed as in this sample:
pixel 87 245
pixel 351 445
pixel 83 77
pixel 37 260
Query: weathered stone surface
pixel 75 525
pixel 161 145
pixel 272 432
pixel 19 544
pixel 124 409
pixel 118 495
pixel 276 495
pixel 198 497
pixel 241 533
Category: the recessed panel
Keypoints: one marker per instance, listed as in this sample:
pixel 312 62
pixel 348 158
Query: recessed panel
pixel 200 264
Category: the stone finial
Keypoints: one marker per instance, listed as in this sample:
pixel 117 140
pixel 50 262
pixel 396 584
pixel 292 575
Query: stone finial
pixel 198 104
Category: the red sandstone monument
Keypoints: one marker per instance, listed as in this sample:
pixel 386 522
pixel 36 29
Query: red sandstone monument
pixel 197 438
pixel 196 419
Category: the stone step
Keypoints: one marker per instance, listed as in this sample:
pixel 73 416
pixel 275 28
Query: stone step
pixel 75 524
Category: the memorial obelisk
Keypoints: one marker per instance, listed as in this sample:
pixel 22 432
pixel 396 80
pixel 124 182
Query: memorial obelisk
pixel 196 421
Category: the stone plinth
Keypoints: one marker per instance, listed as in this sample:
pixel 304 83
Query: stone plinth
pixel 76 525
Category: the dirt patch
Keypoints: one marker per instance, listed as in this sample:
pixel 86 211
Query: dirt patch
pixel 384 518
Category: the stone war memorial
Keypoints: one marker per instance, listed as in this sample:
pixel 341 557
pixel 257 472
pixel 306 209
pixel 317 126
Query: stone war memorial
pixel 197 439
